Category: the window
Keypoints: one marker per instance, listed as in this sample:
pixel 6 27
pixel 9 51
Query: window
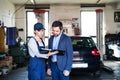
pixel 31 20
pixel 88 24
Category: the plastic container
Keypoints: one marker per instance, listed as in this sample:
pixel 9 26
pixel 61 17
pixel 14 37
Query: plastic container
pixel 5 70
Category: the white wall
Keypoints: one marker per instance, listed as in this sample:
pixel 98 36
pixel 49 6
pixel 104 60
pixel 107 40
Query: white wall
pixel 110 25
pixel 7 13
pixel 67 12
pixel 64 12
pixel 56 12
pixel 20 20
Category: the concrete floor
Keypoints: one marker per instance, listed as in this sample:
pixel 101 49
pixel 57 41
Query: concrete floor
pixel 21 73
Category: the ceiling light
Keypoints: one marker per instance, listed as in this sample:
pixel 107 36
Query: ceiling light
pixel 33 1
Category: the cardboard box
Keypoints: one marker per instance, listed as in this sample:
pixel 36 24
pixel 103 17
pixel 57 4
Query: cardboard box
pixel 6 62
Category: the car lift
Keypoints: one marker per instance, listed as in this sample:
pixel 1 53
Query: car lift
pixel 106 68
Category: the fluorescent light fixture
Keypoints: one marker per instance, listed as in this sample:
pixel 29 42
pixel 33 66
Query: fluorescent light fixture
pixel 33 1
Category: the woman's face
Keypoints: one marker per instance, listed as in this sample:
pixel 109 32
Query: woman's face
pixel 39 33
pixel 56 31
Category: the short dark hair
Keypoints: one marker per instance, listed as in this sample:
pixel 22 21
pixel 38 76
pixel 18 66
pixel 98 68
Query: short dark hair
pixel 57 24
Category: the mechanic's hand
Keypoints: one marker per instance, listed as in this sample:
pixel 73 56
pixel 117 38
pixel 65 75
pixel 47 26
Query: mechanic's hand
pixel 66 73
pixel 52 53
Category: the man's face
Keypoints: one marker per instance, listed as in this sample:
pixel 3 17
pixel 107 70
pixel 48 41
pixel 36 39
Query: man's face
pixel 56 31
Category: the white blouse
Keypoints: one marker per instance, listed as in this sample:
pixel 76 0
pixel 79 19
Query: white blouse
pixel 33 49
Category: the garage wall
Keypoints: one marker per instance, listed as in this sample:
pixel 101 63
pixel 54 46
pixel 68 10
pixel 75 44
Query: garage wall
pixel 7 10
pixel 110 25
pixel 56 12
pixel 7 13
pixel 68 12
pixel 64 12
pixel 20 20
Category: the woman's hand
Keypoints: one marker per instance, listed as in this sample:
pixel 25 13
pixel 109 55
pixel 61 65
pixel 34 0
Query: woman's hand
pixel 52 53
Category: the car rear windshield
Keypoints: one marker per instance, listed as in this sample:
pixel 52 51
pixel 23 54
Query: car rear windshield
pixel 80 42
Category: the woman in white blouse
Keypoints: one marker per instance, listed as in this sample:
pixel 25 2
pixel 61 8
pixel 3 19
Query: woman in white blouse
pixel 36 67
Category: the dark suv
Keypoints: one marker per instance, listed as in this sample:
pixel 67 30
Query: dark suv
pixel 86 56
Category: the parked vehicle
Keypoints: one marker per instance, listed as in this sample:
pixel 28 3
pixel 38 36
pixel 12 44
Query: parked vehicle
pixel 86 56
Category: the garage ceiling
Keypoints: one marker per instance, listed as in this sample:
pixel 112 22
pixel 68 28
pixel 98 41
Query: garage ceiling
pixel 65 1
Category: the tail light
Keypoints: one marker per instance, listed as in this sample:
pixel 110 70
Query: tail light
pixel 95 52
